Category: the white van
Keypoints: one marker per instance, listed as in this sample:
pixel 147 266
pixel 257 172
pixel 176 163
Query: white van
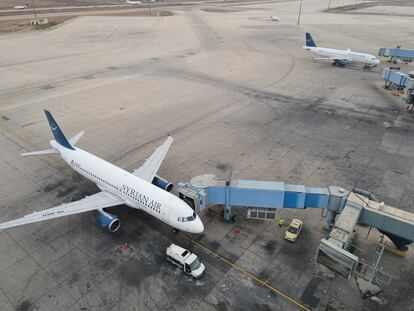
pixel 189 262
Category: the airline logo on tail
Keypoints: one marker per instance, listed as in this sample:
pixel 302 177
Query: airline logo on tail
pixel 57 133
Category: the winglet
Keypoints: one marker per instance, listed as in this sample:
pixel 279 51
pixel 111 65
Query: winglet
pixel 57 133
pixel 309 40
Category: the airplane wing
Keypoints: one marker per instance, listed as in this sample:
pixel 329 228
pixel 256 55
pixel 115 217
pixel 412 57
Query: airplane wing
pixel 94 202
pixel 150 167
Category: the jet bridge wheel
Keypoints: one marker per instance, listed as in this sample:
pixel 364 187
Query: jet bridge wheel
pixel 230 217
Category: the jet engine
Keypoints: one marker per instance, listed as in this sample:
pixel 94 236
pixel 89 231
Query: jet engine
pixel 162 183
pixel 341 62
pixel 108 221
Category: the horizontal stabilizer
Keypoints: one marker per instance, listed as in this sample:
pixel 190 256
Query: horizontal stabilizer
pixel 40 152
pixel 76 138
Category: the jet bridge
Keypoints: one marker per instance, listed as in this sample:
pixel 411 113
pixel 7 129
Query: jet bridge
pixel 263 197
pixel 395 78
pixel 397 53
pixel 260 196
pixel 399 81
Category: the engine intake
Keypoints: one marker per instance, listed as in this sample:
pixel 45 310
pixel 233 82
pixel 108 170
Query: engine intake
pixel 341 62
pixel 162 183
pixel 108 221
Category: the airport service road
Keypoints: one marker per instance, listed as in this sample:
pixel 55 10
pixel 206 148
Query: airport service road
pixel 237 92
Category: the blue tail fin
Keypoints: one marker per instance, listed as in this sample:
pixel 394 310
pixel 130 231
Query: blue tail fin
pixel 59 137
pixel 309 40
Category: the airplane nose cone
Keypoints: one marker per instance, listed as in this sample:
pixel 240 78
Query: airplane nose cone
pixel 198 226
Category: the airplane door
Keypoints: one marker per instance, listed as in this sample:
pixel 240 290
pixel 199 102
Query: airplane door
pixel 164 212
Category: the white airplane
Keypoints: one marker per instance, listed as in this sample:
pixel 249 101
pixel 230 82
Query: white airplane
pixel 133 2
pixel 340 57
pixel 141 189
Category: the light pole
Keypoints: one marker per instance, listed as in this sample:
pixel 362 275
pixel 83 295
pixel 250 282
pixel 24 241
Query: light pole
pixel 329 5
pixel 300 11
pixel 149 6
pixel 34 9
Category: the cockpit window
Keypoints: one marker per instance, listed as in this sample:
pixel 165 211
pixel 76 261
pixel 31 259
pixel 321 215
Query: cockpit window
pixel 189 218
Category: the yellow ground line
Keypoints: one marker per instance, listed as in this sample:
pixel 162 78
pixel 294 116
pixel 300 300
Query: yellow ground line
pixel 247 273
pixel 270 278
pixel 15 136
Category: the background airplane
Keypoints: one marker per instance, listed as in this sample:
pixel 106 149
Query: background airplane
pixel 141 189
pixel 340 57
pixel 134 2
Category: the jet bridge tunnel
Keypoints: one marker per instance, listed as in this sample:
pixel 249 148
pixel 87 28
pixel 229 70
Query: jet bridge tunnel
pixel 400 81
pixel 262 198
pixel 397 53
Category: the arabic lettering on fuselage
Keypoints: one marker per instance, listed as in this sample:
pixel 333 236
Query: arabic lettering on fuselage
pixel 141 198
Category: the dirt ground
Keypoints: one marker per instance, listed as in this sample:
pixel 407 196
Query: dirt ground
pixel 23 25
pixel 9 4
pixel 386 6
pixel 144 12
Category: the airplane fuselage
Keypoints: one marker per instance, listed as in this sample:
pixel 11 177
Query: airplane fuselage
pixel 351 56
pixel 137 192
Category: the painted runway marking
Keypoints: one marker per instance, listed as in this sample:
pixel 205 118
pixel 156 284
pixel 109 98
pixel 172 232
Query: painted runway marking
pixel 248 274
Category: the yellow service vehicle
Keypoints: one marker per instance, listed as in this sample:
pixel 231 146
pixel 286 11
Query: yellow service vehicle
pixel 293 230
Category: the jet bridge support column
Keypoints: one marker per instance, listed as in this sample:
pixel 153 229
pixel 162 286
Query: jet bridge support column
pixel 409 99
pixel 330 219
pixel 227 215
pixel 337 200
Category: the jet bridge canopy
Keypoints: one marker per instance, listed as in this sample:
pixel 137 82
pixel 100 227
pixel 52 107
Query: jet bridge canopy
pixel 336 258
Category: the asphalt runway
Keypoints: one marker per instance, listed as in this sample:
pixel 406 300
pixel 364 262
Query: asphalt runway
pixel 238 93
